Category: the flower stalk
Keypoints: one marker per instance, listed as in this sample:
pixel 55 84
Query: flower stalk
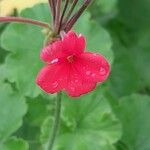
pixel 56 121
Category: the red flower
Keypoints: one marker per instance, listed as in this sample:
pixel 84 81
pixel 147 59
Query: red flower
pixel 70 68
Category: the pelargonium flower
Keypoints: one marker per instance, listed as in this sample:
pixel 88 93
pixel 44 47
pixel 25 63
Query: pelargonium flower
pixel 70 68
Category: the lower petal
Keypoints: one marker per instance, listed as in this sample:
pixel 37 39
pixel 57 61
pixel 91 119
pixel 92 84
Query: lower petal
pixel 53 78
pixel 93 67
pixel 76 85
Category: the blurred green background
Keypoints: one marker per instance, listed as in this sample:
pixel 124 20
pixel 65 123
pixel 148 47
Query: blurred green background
pixel 115 116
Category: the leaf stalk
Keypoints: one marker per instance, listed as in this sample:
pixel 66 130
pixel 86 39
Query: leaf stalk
pixel 24 20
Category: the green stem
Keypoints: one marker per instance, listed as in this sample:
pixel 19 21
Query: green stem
pixel 56 121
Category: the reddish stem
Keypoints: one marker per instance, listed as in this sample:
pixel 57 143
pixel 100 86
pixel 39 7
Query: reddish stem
pixel 57 19
pixel 70 11
pixel 63 14
pixel 53 9
pixel 24 20
pixel 76 16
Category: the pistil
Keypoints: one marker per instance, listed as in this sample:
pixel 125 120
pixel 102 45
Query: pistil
pixel 70 59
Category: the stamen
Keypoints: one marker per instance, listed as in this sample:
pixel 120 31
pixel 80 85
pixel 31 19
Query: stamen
pixel 70 58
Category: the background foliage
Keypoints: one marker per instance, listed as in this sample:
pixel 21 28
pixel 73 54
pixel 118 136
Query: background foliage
pixel 115 116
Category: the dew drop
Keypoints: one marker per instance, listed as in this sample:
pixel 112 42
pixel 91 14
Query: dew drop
pixel 76 81
pixel 72 88
pixel 55 84
pixel 102 71
pixel 72 82
pixel 93 74
pixel 88 73
pixel 95 54
pixel 54 61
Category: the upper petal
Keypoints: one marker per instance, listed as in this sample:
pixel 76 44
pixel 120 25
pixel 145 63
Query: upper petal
pixel 53 78
pixel 73 44
pixel 52 52
pixel 93 67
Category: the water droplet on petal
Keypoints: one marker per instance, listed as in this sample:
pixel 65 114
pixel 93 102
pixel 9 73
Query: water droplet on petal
pixel 102 71
pixel 93 74
pixel 55 84
pixel 76 81
pixel 72 88
pixel 88 73
pixel 72 82
pixel 94 54
pixel 54 61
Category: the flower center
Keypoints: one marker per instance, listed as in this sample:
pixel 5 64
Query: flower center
pixel 70 58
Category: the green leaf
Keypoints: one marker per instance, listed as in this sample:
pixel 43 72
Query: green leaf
pixel 130 72
pixel 25 42
pixel 141 54
pixel 107 6
pixel 14 144
pixel 131 50
pixel 124 78
pixel 104 10
pixel 13 108
pixel 133 112
pixel 46 130
pixel 135 13
pixel 3 53
pixel 98 39
pixel 87 123
pixel 31 134
pixel 38 109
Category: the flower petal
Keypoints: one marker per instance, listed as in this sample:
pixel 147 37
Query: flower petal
pixel 76 85
pixel 52 52
pixel 93 67
pixel 53 78
pixel 73 44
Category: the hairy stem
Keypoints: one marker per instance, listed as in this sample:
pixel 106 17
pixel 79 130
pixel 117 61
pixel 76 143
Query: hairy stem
pixel 24 20
pixel 76 16
pixel 63 14
pixel 53 9
pixel 70 11
pixel 58 12
pixel 56 121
